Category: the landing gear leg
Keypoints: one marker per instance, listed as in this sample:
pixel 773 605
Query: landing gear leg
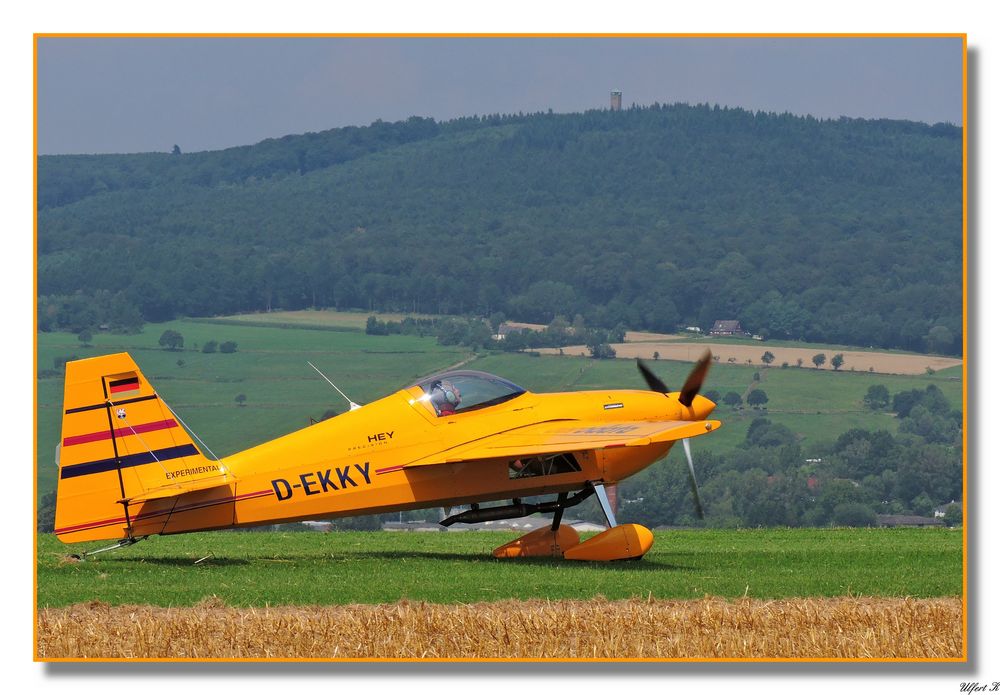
pixel 602 497
pixel 547 541
pixel 557 517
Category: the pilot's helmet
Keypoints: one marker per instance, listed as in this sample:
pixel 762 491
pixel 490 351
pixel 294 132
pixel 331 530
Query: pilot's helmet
pixel 450 392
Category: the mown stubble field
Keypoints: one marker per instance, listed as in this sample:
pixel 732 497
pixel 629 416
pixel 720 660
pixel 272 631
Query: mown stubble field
pixel 710 628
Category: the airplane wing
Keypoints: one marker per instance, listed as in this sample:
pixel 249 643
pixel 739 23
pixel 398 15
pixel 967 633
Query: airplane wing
pixel 568 435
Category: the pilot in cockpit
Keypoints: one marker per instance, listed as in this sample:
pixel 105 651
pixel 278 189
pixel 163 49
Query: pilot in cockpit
pixel 445 397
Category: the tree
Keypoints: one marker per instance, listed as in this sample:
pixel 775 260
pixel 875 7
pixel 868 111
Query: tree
pixel 922 505
pixel 853 514
pixel 836 492
pixel 953 515
pixel 656 354
pixel 798 362
pixel 478 335
pixel 877 397
pixel 85 337
pixel 819 360
pixel 228 347
pixel 939 339
pixel 558 326
pixel 927 470
pixel 712 395
pixel 931 398
pixel 240 399
pixel 210 347
pixel 764 433
pixel 496 319
pixel 732 399
pixel 904 401
pixel 757 398
pixel 171 340
pixel 601 351
pixel 767 358
pixel 837 361
pixel 934 426
pixel 176 150
pixel 180 363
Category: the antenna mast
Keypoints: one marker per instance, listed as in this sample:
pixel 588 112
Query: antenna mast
pixel 354 406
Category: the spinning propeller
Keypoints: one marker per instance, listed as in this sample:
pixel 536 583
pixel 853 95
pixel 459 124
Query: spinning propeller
pixel 687 395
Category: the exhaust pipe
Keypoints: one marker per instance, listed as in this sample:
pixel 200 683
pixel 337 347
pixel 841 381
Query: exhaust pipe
pixel 514 511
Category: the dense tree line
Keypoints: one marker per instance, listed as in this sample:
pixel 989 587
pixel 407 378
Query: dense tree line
pixel 772 481
pixel 846 231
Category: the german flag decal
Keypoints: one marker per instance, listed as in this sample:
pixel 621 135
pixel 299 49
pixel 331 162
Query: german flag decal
pixel 124 386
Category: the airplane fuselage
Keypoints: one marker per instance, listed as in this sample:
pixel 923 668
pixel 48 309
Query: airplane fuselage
pixel 356 463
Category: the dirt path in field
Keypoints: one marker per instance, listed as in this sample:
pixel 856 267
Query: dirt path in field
pixel 881 362
pixel 711 628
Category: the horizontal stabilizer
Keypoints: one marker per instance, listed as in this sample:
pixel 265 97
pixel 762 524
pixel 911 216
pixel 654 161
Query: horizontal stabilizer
pixel 176 489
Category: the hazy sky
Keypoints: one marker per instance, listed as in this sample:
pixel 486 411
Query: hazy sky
pixel 138 95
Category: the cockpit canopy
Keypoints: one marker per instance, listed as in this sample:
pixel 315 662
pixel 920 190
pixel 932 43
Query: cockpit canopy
pixel 460 391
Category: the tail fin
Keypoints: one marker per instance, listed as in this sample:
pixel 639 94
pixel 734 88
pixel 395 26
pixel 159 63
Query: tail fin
pixel 122 455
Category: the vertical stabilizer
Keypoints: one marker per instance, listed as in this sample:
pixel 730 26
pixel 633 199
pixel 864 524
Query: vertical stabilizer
pixel 120 445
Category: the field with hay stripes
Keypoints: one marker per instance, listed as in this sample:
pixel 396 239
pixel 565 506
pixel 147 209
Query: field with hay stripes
pixel 710 628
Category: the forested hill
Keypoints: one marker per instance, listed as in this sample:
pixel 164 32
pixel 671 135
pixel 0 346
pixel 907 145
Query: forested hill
pixel 845 231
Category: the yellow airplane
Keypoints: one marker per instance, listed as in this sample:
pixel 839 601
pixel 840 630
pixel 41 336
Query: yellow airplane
pixel 128 468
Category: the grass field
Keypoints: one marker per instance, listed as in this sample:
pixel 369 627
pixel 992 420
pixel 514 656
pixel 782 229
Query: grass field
pixel 261 569
pixel 283 392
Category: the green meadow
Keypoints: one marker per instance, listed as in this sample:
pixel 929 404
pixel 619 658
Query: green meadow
pixel 258 569
pixel 282 392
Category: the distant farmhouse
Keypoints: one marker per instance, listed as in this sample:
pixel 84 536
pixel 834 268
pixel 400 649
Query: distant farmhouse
pixel 727 328
pixel 503 330
pixel 896 520
pixel 942 511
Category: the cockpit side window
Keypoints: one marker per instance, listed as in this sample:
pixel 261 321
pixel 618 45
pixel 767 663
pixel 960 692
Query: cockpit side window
pixel 551 464
pixel 457 392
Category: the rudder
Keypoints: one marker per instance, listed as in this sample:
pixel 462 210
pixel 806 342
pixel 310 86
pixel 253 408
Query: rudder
pixel 120 444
